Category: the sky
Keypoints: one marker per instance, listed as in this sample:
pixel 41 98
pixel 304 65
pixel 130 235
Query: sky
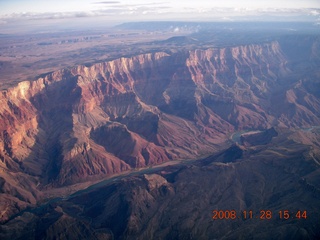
pixel 161 6
pixel 140 10
pixel 39 6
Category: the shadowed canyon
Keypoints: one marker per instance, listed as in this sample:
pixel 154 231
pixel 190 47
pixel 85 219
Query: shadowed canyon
pixel 86 123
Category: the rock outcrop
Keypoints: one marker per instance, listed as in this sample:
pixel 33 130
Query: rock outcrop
pixel 88 122
pixel 191 202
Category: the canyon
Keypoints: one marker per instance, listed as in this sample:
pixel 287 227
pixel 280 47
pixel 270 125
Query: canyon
pixel 86 123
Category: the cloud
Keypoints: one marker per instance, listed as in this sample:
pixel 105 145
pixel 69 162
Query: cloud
pixel 228 19
pixel 161 10
pixel 107 2
pixel 315 12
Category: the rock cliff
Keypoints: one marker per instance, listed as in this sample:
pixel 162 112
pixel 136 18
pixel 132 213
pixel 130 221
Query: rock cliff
pixel 87 122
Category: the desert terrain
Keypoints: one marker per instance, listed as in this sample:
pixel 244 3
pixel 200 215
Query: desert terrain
pixel 144 130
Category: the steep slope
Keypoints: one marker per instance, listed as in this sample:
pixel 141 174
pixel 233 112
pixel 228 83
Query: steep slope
pixel 169 204
pixel 86 123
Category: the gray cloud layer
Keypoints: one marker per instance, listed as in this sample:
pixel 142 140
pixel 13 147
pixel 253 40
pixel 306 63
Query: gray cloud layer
pixel 161 11
pixel 107 2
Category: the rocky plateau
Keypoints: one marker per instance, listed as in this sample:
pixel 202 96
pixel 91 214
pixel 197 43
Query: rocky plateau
pixel 87 123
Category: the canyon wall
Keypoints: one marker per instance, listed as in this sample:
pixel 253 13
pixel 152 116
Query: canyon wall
pixel 88 122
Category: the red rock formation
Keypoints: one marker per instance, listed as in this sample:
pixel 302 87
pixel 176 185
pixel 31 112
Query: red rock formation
pixel 87 122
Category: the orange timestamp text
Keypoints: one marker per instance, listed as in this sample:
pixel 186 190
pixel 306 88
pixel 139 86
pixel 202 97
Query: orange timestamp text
pixel 262 214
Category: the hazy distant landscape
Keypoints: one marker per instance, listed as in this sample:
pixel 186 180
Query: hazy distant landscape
pixel 157 121
pixel 26 56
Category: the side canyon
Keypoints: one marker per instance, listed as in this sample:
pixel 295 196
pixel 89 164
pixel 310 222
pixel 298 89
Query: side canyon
pixel 87 123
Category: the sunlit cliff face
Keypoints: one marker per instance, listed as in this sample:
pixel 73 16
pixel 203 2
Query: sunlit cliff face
pixel 88 122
